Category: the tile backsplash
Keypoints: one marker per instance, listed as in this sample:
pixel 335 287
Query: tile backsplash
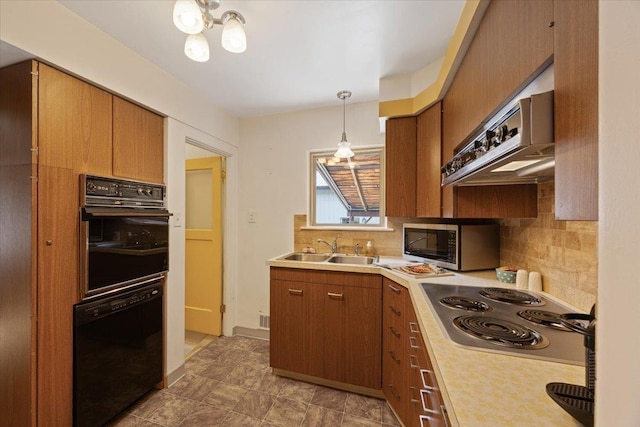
pixel 565 253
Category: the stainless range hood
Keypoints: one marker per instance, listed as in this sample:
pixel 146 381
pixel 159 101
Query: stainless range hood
pixel 514 147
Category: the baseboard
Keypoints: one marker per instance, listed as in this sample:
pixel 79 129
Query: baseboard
pixel 174 376
pixel 330 383
pixel 262 334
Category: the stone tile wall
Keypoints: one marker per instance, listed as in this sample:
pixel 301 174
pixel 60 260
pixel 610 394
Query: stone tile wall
pixel 564 252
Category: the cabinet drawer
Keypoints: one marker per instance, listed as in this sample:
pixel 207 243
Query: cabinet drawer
pixel 363 280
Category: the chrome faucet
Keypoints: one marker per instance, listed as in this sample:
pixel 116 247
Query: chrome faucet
pixel 333 246
pixel 356 249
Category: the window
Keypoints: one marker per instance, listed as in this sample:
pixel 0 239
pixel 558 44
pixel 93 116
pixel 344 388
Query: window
pixel 347 192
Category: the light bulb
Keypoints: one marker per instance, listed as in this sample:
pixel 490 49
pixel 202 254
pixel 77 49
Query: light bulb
pixel 344 152
pixel 197 48
pixel 188 17
pixel 233 37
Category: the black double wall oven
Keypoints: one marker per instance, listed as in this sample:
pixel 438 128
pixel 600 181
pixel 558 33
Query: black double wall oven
pixel 118 325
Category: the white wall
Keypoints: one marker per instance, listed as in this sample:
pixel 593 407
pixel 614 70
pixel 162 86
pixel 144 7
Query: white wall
pixel 52 33
pixel 618 327
pixel 274 158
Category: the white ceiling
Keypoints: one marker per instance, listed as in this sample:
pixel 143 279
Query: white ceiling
pixel 300 52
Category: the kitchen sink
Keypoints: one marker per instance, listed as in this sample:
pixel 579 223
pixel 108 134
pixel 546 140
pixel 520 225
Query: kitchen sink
pixel 299 256
pixel 351 259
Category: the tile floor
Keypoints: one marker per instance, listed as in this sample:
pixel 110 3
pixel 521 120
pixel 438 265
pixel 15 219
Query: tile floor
pixel 228 382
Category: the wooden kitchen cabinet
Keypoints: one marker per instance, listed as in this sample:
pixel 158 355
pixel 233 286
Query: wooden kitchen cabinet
pixel 74 123
pixel 138 145
pixel 576 109
pixel 400 167
pixel 425 403
pixel 395 299
pixel 408 378
pixel 53 127
pixel 429 161
pixel 326 324
pixel 413 160
pixel 513 43
pixel 296 339
pixel 58 219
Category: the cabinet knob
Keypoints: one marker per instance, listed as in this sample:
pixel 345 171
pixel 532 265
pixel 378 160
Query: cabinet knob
pixel 551 24
pixel 48 242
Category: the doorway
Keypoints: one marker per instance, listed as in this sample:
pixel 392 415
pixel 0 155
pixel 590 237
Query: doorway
pixel 204 172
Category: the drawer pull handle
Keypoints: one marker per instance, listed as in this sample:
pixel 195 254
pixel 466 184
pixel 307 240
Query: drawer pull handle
pixel 411 359
pixel 425 381
pixel 394 289
pixel 295 291
pixel 394 310
pixel 445 418
pixel 393 356
pixel 393 392
pixel 394 332
pixel 426 407
pixel 413 327
pixel 334 295
pixel 413 342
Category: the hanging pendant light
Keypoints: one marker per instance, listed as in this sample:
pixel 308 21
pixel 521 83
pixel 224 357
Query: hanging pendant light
pixel 344 152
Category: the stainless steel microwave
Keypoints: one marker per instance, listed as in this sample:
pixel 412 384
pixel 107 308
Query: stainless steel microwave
pixel 461 247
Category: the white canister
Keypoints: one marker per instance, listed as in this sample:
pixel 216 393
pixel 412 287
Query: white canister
pixel 535 281
pixel 521 279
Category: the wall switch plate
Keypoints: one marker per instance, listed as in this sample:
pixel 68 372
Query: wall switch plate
pixel 251 217
pixel 177 219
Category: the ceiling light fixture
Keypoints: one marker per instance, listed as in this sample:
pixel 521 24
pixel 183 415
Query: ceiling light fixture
pixel 193 17
pixel 344 152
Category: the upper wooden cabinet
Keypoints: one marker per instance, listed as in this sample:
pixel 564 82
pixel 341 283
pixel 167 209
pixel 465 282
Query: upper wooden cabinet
pixel 137 142
pixel 88 130
pixel 512 44
pixel 413 160
pixel 576 109
pixel 429 160
pixel 400 168
pixel 74 123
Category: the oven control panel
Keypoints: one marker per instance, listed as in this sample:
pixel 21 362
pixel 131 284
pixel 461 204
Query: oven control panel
pixel 103 191
pixel 104 306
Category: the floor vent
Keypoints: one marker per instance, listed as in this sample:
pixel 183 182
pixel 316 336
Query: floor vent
pixel 265 321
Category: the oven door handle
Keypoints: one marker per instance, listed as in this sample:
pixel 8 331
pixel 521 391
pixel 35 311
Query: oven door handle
pixel 90 213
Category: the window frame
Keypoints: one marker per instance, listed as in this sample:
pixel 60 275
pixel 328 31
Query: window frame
pixel 311 190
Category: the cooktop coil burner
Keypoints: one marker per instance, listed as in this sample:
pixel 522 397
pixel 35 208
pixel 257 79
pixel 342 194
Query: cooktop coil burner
pixel 501 332
pixel 545 318
pixel 464 303
pixel 511 296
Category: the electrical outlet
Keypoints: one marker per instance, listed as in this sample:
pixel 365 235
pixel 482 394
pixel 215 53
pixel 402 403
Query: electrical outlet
pixel 251 217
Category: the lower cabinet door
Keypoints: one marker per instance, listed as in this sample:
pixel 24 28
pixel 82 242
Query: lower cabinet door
pixel 296 337
pixel 352 335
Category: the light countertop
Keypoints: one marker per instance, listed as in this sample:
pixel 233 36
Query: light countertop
pixel 479 388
